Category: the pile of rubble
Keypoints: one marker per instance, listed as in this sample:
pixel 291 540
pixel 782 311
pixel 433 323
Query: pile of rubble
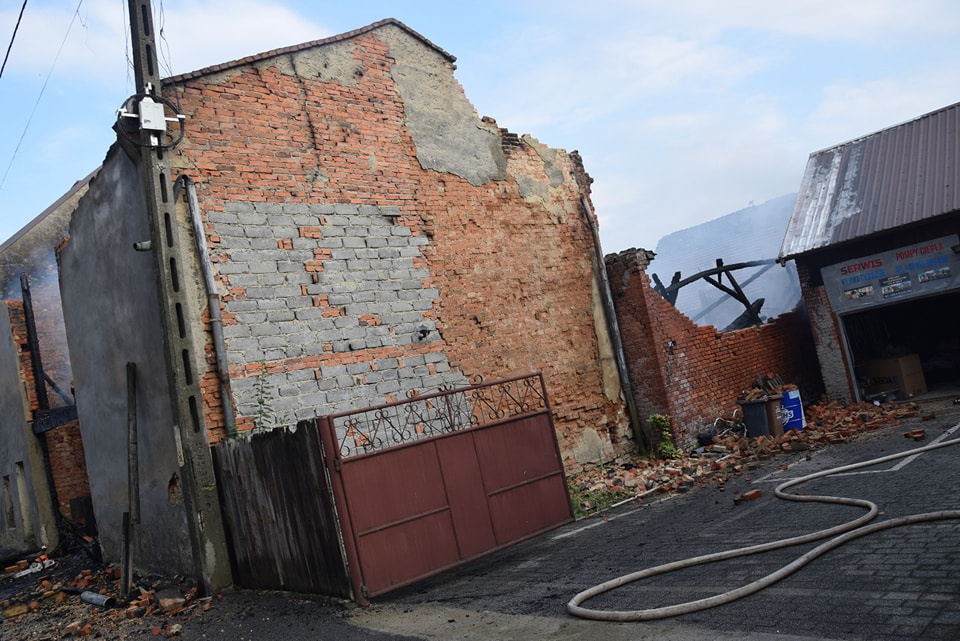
pixel 82 602
pixel 766 386
pixel 732 455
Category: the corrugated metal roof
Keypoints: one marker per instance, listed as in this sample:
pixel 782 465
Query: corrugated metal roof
pixel 886 180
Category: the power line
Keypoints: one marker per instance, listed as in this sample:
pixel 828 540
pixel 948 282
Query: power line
pixel 76 14
pixel 7 57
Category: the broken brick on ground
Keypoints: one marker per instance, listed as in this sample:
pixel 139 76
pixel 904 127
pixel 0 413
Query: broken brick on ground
pixel 731 455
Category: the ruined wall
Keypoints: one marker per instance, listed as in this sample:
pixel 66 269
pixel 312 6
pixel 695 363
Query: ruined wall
pixel 513 264
pixel 67 465
pixel 372 236
pixel 695 373
pixel 26 518
pixel 112 316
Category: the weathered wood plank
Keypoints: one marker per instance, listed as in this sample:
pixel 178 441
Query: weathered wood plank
pixel 280 520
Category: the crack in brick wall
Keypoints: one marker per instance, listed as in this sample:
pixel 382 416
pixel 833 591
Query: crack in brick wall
pixel 333 245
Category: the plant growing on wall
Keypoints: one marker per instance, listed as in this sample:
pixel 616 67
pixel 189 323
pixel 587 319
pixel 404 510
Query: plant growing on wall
pixel 265 393
pixel 661 426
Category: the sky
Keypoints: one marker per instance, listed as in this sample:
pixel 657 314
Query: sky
pixel 683 111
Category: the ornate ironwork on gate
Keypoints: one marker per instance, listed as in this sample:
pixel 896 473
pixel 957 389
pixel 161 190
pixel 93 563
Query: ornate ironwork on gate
pixel 449 410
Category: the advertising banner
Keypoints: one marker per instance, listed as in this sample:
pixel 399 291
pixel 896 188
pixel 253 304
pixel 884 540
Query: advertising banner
pixel 908 272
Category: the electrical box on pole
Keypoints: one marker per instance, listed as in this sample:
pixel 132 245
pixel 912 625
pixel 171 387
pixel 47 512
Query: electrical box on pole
pixel 147 110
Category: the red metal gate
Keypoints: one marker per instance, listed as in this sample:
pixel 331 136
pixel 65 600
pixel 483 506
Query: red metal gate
pixel 424 484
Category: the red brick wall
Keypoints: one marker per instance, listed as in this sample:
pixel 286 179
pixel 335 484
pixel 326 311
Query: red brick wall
pixel 516 292
pixel 513 273
pixel 700 376
pixel 18 326
pixel 64 444
pixel 67 464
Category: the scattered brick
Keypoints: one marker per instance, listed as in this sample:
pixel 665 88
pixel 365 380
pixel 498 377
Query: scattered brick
pixel 731 455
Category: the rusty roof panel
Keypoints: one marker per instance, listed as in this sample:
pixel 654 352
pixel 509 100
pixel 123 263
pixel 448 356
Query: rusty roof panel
pixel 886 180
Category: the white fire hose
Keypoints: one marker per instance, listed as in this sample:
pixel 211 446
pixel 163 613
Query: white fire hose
pixel 840 533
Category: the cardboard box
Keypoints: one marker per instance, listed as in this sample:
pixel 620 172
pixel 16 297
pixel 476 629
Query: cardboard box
pixel 904 373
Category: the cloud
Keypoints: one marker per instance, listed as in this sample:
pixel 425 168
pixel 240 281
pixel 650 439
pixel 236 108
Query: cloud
pixel 208 33
pixel 850 110
pixel 605 75
pixel 862 20
pixel 198 34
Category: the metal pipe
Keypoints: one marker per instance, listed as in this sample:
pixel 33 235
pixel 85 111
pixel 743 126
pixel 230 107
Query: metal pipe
pixel 101 600
pixel 213 302
pixel 613 327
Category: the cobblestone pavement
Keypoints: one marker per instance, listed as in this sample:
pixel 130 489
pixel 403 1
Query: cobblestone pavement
pixel 902 583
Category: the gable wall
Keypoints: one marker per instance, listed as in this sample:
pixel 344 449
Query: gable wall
pixel 351 196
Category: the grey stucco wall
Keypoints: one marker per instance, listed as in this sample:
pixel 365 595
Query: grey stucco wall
pixel 112 316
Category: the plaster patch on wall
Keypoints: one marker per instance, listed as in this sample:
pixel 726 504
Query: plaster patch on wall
pixel 549 158
pixel 531 189
pixel 333 62
pixel 320 177
pixel 445 128
pixel 539 192
pixel 591 448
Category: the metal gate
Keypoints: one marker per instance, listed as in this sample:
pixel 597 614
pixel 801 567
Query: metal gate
pixel 424 484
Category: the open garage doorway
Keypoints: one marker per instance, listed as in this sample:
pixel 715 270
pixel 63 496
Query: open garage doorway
pixel 927 328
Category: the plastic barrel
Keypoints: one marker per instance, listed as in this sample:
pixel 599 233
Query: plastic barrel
pixel 793 418
pixel 755 416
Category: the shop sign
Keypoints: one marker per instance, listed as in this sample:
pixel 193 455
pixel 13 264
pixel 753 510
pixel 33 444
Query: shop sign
pixel 908 272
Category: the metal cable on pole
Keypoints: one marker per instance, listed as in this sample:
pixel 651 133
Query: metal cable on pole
pixel 12 38
pixel 42 89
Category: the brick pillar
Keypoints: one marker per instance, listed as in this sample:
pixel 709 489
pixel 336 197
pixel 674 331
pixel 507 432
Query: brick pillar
pixel 826 336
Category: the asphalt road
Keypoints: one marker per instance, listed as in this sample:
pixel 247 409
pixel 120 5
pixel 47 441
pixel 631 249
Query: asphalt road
pixel 899 584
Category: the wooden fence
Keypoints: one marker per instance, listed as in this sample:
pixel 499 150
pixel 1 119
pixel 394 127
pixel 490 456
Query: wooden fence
pixel 280 519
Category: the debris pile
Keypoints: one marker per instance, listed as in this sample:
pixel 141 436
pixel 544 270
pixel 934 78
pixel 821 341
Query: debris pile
pixel 732 455
pixel 84 603
pixel 766 386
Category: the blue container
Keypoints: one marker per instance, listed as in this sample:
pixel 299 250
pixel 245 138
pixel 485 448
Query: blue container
pixel 792 412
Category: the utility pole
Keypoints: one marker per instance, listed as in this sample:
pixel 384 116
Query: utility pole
pixel 201 503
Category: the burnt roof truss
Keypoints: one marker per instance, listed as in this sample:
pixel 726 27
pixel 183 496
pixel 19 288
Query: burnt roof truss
pixel 715 276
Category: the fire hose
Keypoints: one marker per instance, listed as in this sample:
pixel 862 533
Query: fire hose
pixel 840 534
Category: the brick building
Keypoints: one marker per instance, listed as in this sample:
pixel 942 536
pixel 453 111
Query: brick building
pixel 875 238
pixel 368 236
pixel 694 374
